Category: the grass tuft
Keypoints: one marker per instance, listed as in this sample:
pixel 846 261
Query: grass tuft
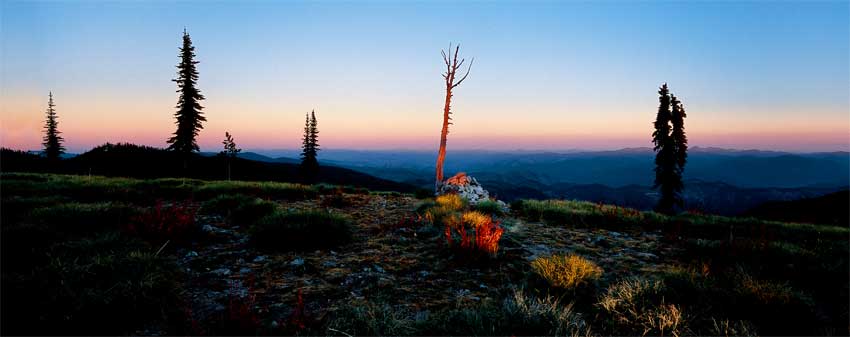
pixel 566 271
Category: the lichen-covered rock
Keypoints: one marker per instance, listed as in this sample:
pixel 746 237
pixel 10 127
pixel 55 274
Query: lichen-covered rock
pixel 466 187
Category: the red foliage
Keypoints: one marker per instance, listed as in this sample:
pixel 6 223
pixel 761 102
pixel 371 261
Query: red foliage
pixel 298 319
pixel 482 238
pixel 175 223
pixel 405 222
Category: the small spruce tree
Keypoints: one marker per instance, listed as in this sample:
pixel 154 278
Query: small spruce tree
pixel 310 147
pixel 230 150
pixel 53 148
pixel 189 116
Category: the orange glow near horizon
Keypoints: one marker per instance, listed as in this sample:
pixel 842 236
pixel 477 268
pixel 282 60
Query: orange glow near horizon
pixel 86 124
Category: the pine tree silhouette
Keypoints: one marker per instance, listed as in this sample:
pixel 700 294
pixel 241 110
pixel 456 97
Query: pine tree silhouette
pixel 668 179
pixel 189 116
pixel 230 150
pixel 53 148
pixel 310 147
pixel 678 134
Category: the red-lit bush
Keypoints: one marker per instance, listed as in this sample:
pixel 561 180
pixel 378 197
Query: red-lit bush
pixel 474 232
pixel 163 223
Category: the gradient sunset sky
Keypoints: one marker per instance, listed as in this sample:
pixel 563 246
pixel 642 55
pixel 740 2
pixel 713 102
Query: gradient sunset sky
pixel 547 75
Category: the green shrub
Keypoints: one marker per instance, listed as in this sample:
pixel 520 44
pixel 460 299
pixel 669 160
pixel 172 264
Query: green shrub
pixel 489 207
pixel 301 230
pixel 83 218
pixel 225 204
pixel 248 213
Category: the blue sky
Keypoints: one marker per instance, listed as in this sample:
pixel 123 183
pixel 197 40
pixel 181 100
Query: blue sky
pixel 547 75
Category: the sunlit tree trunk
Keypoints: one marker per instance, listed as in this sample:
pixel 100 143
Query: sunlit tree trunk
pixel 452 66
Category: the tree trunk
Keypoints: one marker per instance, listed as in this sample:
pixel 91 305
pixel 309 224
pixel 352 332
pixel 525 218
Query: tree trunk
pixel 441 155
pixel 228 170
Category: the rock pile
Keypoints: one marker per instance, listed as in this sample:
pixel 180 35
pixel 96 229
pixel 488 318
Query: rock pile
pixel 466 187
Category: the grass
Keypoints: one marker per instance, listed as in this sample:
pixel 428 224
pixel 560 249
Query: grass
pixel 566 271
pixel 301 230
pixel 97 188
pixel 518 314
pixel 586 214
pixel 473 234
pixel 78 218
pixel 451 202
pixel 239 209
pixel 489 207
pixel 107 284
pixel 637 307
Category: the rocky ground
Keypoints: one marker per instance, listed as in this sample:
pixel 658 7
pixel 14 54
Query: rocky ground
pixel 394 258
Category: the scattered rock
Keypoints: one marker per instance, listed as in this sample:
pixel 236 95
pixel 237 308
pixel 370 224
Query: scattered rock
pixel 259 258
pixel 191 253
pixel 221 271
pixel 297 262
pixel 646 255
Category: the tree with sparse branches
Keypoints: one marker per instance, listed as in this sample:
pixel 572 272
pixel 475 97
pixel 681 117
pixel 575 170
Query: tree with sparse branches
pixel 670 146
pixel 310 147
pixel 189 116
pixel 452 65
pixel 53 148
pixel 230 150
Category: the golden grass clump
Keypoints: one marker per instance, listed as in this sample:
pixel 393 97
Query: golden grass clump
pixel 475 219
pixel 566 271
pixel 451 202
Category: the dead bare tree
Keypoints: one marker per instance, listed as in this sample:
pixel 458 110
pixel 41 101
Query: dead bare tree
pixel 452 65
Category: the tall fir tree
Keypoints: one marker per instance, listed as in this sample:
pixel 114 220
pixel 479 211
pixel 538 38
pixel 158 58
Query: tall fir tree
pixel 53 148
pixel 230 150
pixel 189 116
pixel 680 139
pixel 310 146
pixel 667 176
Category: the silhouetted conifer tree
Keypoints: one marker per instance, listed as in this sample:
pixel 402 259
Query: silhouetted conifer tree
pixel 680 140
pixel 52 141
pixel 189 116
pixel 230 150
pixel 667 177
pixel 310 146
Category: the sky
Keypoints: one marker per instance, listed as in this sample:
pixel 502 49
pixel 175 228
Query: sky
pixel 546 76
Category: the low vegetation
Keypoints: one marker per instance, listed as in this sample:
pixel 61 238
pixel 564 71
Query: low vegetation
pixel 301 230
pixel 76 261
pixel 566 271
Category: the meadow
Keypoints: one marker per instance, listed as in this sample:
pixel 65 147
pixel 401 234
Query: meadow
pixel 101 255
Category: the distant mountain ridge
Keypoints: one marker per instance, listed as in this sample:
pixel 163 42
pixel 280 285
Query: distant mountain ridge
pixel 128 160
pixel 615 168
pixel 722 181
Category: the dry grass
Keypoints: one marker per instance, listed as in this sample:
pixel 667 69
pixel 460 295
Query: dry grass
pixel 566 271
pixel 637 306
pixel 451 202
